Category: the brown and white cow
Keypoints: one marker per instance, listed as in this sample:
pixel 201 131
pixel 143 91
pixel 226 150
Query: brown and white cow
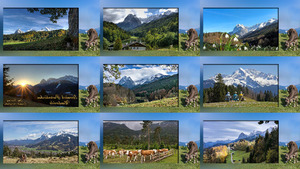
pixel 111 153
pixel 145 153
pixel 132 154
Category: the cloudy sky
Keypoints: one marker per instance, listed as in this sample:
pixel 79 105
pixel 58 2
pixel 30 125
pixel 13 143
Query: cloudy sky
pixel 224 20
pixel 89 67
pixel 133 125
pixel 288 10
pixel 212 70
pixel 189 67
pixel 18 18
pixel 189 11
pixel 89 124
pixel 287 65
pixel 117 15
pixel 230 130
pixel 189 123
pixel 89 11
pixel 33 74
pixel 34 129
pixel 138 72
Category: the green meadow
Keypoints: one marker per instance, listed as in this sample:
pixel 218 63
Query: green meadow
pixel 15 48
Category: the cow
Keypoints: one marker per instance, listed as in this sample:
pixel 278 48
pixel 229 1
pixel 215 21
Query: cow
pixel 93 96
pixel 22 159
pixel 193 152
pixel 93 36
pixel 121 153
pixel 193 95
pixel 293 152
pixel 293 96
pixel 111 153
pixel 93 152
pixel 293 39
pixel 193 39
pixel 145 153
pixel 132 154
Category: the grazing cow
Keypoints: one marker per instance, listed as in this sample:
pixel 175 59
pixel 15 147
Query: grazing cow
pixel 293 152
pixel 22 159
pixel 145 153
pixel 293 39
pixel 193 95
pixel 193 39
pixel 163 150
pixel 121 153
pixel 93 36
pixel 93 152
pixel 111 153
pixel 131 154
pixel 193 152
pixel 93 95
pixel 293 96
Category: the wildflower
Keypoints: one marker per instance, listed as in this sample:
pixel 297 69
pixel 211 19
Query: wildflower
pixel 240 49
pixel 226 36
pixel 276 48
pixel 245 48
pixel 235 39
pixel 258 47
pixel 204 47
pixel 214 46
pixel 237 36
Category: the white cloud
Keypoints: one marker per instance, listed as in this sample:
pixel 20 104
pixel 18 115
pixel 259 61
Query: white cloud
pixel 118 15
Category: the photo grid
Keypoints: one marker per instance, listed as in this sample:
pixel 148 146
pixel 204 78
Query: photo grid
pixel 149 84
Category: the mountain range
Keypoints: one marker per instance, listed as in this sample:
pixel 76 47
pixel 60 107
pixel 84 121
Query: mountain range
pixel 127 82
pixel 63 141
pixel 242 30
pixel 253 79
pixel 19 31
pixel 250 137
pixel 64 85
pixel 132 21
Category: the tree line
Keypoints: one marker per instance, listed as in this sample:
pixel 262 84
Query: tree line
pixel 218 92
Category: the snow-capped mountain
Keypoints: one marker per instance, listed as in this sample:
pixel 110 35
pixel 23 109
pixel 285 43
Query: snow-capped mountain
pixel 126 81
pixel 242 30
pixel 18 31
pixel 250 137
pixel 246 77
pixel 155 17
pixel 69 78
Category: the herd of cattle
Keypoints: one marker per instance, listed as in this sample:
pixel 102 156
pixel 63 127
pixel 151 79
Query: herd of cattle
pixel 132 155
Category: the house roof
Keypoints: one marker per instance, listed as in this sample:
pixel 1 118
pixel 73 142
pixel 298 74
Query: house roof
pixel 139 44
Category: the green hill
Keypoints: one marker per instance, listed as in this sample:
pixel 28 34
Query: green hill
pixel 111 32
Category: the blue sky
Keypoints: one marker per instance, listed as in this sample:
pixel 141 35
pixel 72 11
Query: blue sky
pixel 189 123
pixel 288 10
pixel 287 65
pixel 89 67
pixel 18 18
pixel 89 11
pixel 89 123
pixel 224 20
pixel 189 67
pixel 34 129
pixel 230 130
pixel 33 74
pixel 138 72
pixel 212 70
pixel 189 12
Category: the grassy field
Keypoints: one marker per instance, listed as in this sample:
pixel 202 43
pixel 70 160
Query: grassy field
pixel 160 52
pixel 247 103
pixel 81 108
pixel 80 52
pixel 118 159
pixel 237 156
pixel 158 165
pixel 158 106
pixel 73 159
pixel 280 52
pixel 79 165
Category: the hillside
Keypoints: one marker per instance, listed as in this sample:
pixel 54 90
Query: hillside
pixel 267 36
pixel 111 32
pixel 165 24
